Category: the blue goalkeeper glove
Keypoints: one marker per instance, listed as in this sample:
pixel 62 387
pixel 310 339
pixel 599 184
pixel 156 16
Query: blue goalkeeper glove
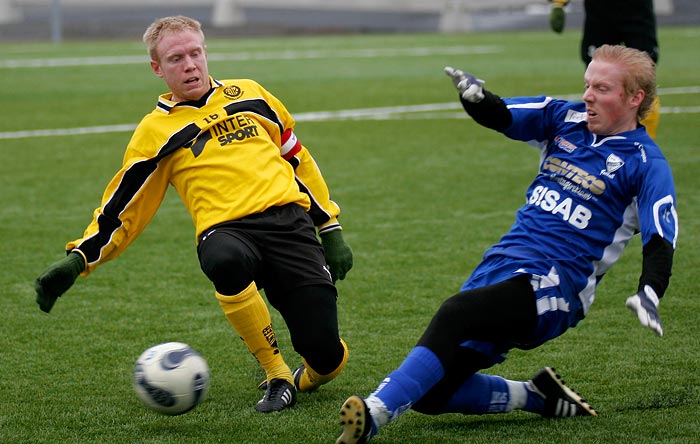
pixel 645 305
pixel 557 16
pixel 469 87
pixel 57 279
pixel 338 254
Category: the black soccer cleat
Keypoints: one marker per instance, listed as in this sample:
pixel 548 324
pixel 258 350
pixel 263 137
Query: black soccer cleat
pixel 356 422
pixel 279 395
pixel 559 400
pixel 296 374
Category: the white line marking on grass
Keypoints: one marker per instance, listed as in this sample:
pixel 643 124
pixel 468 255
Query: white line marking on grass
pixel 246 56
pixel 360 114
pixel 68 131
pixel 425 111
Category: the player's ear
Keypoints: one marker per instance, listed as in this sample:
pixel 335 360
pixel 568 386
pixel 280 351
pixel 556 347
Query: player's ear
pixel 156 68
pixel 637 98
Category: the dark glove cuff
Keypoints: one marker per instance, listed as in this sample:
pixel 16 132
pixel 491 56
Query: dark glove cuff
pixel 332 235
pixel 657 262
pixel 76 262
pixel 490 112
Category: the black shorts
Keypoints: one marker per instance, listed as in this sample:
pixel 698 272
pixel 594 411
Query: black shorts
pixel 615 22
pixel 278 249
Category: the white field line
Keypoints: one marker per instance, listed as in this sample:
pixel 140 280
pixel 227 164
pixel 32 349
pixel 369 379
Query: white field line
pixel 450 110
pixel 261 55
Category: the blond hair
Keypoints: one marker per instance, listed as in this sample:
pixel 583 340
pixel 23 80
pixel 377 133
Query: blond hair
pixel 640 72
pixel 167 25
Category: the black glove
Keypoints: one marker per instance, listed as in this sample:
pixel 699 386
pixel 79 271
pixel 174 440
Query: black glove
pixel 557 16
pixel 338 254
pixel 57 279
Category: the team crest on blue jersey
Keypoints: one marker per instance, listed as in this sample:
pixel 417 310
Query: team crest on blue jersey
pixel 233 92
pixel 612 164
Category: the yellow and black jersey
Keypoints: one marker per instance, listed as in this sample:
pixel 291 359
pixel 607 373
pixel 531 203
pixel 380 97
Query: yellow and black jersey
pixel 230 154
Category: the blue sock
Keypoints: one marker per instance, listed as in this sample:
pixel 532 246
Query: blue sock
pixel 480 394
pixel 417 374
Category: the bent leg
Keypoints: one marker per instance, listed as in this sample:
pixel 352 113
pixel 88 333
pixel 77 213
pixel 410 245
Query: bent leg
pixel 493 316
pixel 312 319
pixel 502 313
pixel 230 261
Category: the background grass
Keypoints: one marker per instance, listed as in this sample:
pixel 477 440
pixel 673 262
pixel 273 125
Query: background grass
pixel 423 195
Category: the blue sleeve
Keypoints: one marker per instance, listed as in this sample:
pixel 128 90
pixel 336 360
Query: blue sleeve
pixel 657 202
pixel 536 119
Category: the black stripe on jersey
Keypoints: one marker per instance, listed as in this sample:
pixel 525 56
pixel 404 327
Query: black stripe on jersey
pixel 163 106
pixel 184 138
pixel 257 106
pixel 108 221
pixel 318 215
pixel 133 180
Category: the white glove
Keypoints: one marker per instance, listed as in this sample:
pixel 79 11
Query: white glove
pixel 468 85
pixel 645 304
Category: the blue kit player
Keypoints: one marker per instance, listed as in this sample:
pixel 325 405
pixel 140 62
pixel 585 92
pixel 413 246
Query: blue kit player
pixel 601 180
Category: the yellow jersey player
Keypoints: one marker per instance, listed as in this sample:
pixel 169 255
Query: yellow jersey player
pixel 258 202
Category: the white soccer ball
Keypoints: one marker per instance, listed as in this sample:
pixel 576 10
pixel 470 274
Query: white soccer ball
pixel 171 378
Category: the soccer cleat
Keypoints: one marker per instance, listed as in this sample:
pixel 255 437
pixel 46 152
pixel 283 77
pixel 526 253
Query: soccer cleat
pixel 296 374
pixel 356 422
pixel 559 400
pixel 279 395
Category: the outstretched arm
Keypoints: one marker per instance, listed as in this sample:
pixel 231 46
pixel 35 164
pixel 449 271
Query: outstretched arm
pixel 484 107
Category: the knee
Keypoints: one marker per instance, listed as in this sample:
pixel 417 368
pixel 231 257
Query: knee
pixel 449 312
pixel 230 267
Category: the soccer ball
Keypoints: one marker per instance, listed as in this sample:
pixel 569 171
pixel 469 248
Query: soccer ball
pixel 171 378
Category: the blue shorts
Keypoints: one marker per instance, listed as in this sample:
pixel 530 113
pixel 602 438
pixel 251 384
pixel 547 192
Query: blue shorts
pixel 558 305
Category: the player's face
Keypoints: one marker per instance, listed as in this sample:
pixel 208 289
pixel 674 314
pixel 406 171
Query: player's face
pixel 182 63
pixel 608 107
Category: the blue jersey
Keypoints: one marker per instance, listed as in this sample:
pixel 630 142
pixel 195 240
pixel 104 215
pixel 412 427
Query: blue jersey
pixel 591 195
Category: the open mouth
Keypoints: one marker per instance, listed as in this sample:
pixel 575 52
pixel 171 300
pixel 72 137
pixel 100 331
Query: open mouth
pixel 191 80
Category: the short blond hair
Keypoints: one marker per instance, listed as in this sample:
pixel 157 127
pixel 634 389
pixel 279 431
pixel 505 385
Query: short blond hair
pixel 640 72
pixel 166 25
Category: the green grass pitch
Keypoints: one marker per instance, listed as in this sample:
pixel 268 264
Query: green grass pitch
pixel 424 191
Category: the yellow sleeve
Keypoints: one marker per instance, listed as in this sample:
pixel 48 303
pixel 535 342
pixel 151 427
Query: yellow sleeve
pixel 128 204
pixel 324 212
